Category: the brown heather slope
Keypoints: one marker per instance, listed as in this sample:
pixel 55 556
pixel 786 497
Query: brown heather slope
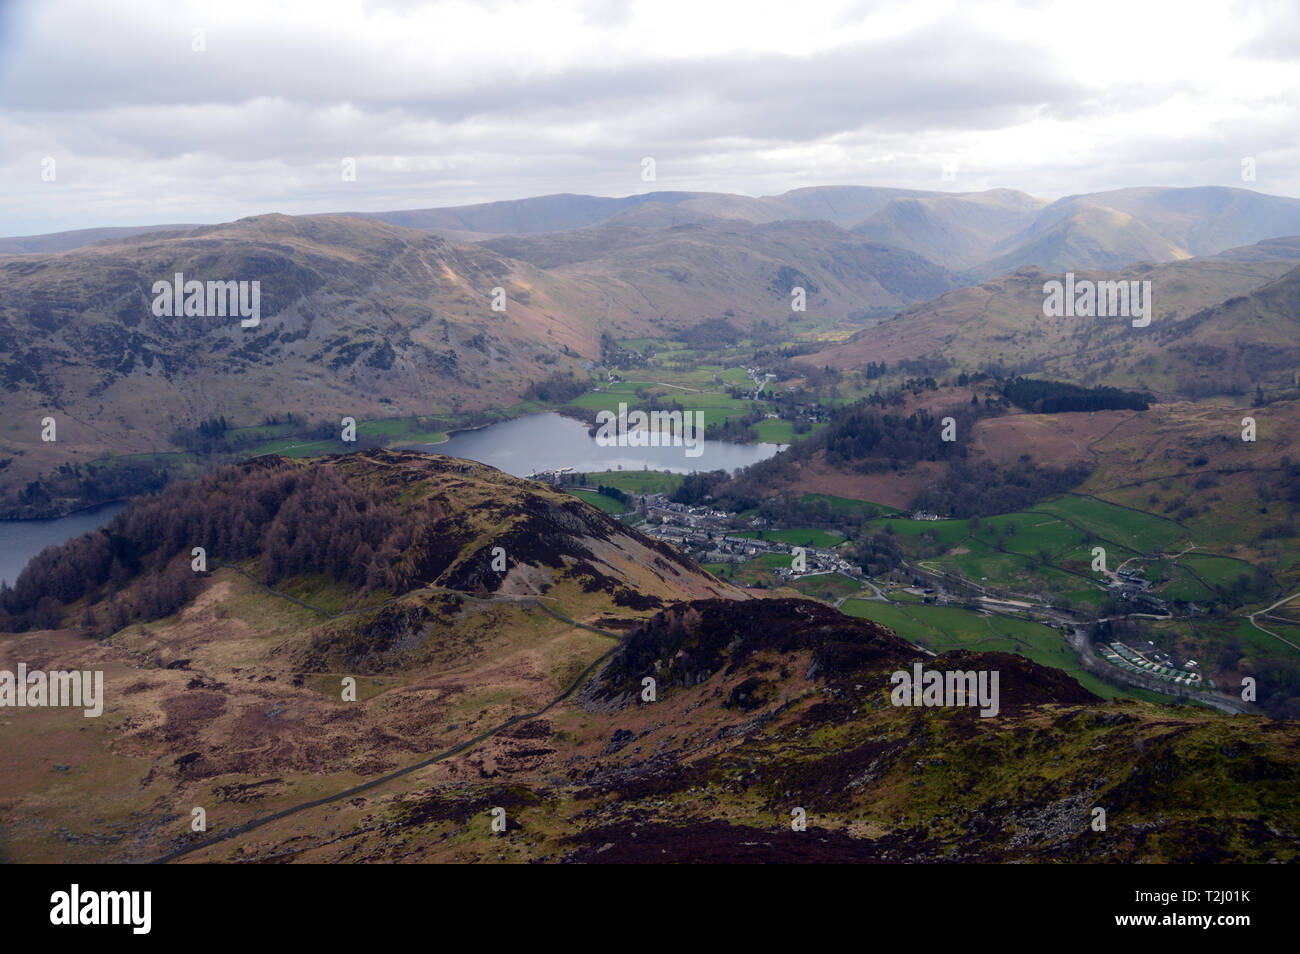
pixel 234 703
pixel 1201 340
pixel 358 318
pixel 768 706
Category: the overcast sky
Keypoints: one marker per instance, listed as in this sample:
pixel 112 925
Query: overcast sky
pixel 459 102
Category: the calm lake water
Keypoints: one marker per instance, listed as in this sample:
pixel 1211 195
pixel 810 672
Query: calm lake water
pixel 549 441
pixel 519 447
pixel 20 540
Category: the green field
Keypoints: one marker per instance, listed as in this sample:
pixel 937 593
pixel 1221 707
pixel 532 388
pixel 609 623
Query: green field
pixel 776 432
pixel 610 395
pixel 827 586
pixel 782 432
pixel 1020 572
pixel 759 569
pixel 607 504
pixel 902 596
pixel 300 447
pixel 261 432
pixel 1175 582
pixel 1215 570
pixel 797 537
pixel 847 506
pixel 948 532
pixel 405 429
pixel 980 562
pixel 1138 531
pixel 1289 631
pixel 943 628
pixel 1050 549
pixel 893 617
pixel 694 390
pixel 1028 533
pixel 716 406
pixel 637 481
pixel 1059 527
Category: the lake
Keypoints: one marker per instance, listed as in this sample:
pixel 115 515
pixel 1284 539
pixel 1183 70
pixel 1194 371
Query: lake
pixel 549 441
pixel 20 540
pixel 520 447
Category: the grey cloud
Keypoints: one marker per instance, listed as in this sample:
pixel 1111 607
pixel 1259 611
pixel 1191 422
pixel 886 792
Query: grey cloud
pixel 150 131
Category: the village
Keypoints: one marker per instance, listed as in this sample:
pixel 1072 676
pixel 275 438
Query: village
pixel 703 533
pixel 1151 661
pixel 711 536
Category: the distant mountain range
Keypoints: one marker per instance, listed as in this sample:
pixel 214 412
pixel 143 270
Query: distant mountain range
pixel 389 314
pixel 66 241
pixel 1221 324
pixel 983 233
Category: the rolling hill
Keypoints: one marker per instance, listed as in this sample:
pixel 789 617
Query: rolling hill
pixel 962 231
pixel 379 566
pixel 366 319
pixel 66 241
pixel 382 316
pixel 705 269
pixel 1203 220
pixel 983 233
pixel 357 318
pixel 1093 237
pixel 1125 226
pixel 314 718
pixel 1219 326
pixel 844 206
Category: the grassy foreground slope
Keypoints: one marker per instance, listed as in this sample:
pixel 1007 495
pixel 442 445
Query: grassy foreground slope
pixel 525 690
pixel 225 689
pixel 772 711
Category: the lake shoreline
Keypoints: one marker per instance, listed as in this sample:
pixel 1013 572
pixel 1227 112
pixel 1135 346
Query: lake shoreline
pixel 22 539
pixel 529 444
pixel 549 440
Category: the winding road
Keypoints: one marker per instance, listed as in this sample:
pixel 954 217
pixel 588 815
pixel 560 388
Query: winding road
pixel 1265 612
pixel 465 746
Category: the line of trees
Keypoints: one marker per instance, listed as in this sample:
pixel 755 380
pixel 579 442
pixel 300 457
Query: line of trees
pixel 983 489
pixel 863 439
pixel 556 388
pixel 208 437
pixel 1056 397
pixel 294 520
pixel 85 485
pixel 613 493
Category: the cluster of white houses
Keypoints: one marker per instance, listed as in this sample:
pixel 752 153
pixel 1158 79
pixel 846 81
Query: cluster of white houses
pixel 1125 657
